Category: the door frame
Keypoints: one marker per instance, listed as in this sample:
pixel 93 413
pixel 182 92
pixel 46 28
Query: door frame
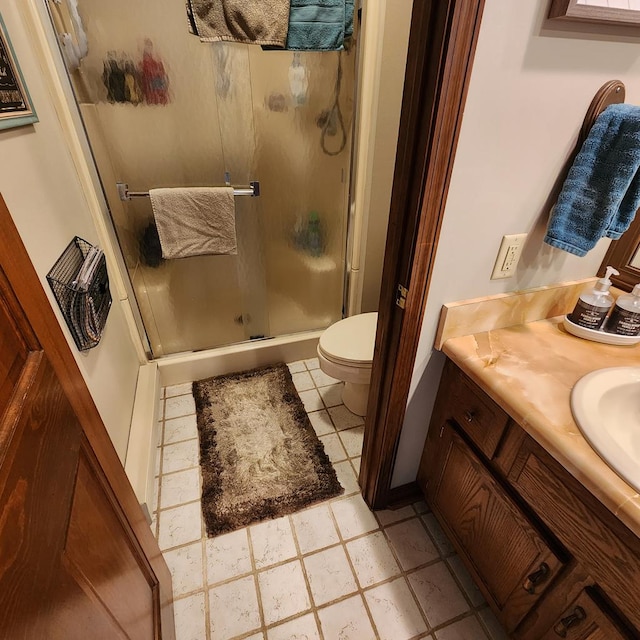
pixel 442 45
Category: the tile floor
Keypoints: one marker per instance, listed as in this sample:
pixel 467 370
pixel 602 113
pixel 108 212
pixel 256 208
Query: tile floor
pixel 335 571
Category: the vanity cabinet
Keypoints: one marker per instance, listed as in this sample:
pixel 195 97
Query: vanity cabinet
pixel 512 558
pixel 549 558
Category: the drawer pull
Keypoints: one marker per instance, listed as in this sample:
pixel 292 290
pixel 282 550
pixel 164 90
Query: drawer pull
pixel 535 578
pixel 569 621
pixel 469 416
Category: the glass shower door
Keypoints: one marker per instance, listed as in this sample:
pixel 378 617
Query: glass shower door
pixel 208 112
pixel 303 133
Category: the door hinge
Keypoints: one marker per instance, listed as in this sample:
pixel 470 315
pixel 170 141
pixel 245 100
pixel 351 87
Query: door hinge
pixel 401 296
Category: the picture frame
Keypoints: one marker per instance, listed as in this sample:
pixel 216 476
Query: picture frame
pixel 16 108
pixel 616 12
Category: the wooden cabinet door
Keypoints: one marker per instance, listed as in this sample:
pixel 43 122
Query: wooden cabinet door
pixel 72 565
pixel 509 558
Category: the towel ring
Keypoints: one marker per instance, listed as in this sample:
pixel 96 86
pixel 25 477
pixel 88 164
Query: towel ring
pixel 612 92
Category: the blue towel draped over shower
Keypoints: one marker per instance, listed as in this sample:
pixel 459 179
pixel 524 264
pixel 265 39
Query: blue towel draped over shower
pixel 601 194
pixel 319 25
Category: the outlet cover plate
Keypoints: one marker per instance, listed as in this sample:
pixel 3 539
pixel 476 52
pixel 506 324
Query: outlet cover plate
pixel 508 256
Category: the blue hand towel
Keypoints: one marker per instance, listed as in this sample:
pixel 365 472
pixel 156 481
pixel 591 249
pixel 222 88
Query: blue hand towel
pixel 319 25
pixel 349 8
pixel 601 194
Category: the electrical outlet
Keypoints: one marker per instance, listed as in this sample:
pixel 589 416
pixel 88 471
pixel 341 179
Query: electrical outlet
pixel 508 256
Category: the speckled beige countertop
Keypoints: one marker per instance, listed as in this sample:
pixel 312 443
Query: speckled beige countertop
pixel 529 370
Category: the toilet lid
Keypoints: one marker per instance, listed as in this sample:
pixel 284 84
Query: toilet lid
pixel 351 340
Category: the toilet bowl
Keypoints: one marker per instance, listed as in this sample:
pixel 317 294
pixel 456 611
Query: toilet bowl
pixel 345 352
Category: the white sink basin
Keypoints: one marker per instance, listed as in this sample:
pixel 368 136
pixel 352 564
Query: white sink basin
pixel 606 407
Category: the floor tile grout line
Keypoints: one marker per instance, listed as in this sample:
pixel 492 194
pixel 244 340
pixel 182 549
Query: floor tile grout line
pixel 303 556
pixel 167 473
pixel 314 607
pixel 458 581
pixel 483 625
pixel 299 556
pixel 256 581
pixel 226 581
pixel 406 572
pixel 360 591
pixel 177 395
pixel 305 575
pixel 169 444
pixel 458 618
pixel 343 443
pixel 172 474
pixel 441 558
pixel 181 415
pixel 205 567
pixel 473 611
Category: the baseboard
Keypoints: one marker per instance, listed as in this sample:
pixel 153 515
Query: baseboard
pixel 240 357
pixel 403 495
pixel 144 436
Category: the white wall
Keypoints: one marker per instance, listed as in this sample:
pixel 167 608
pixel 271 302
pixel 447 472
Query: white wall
pixel 388 37
pixel 530 89
pixel 41 188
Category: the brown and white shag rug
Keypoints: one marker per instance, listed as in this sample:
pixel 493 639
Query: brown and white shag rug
pixel 259 454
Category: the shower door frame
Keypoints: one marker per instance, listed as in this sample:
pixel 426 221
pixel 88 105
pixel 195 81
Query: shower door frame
pixel 442 45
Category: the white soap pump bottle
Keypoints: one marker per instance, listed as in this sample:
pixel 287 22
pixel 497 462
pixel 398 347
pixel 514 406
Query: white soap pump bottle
pixel 594 304
pixel 625 317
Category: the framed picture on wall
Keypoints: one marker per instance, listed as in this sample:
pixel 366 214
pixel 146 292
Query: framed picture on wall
pixel 622 12
pixel 16 108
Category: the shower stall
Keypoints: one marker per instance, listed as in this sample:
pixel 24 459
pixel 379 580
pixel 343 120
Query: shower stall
pixel 162 109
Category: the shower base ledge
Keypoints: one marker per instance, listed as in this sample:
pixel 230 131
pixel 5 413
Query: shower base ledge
pixel 239 357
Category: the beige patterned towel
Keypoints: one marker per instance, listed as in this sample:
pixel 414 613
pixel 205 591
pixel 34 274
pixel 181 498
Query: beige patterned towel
pixel 195 221
pixel 263 22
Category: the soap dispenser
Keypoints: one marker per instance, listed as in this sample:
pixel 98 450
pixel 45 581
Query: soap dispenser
pixel 594 304
pixel 625 317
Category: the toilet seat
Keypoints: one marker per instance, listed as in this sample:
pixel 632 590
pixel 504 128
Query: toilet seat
pixel 343 361
pixel 350 342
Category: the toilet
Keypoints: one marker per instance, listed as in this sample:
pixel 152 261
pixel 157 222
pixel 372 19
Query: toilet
pixel 345 352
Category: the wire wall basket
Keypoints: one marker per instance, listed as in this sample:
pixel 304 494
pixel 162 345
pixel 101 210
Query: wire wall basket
pixel 80 284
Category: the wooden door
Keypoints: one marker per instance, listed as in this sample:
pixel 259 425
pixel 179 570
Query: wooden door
pixel 75 559
pixel 504 550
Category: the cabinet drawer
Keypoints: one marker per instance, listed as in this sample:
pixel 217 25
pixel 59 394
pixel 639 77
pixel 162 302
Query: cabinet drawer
pixel 476 414
pixel 602 545
pixel 503 549
pixel 586 620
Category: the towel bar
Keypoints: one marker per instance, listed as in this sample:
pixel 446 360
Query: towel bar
pixel 252 190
